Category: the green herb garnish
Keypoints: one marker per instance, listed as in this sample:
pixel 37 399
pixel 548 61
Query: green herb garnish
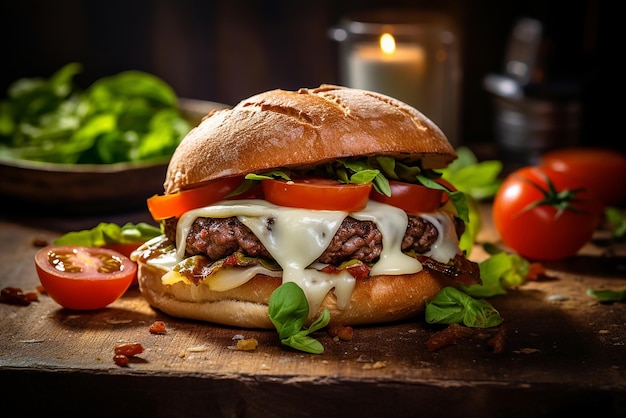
pixel 452 306
pixel 616 222
pixel 288 311
pixel 110 233
pixel 607 295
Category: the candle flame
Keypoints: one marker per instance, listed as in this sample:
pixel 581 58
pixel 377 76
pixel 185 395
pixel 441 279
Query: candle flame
pixel 387 43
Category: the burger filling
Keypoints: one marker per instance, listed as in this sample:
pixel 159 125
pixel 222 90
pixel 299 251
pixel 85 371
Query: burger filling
pixel 226 244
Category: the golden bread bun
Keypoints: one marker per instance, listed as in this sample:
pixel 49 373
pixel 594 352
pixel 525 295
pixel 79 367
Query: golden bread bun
pixel 305 128
pixel 377 299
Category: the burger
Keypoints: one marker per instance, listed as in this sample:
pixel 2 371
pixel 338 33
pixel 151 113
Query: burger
pixel 332 189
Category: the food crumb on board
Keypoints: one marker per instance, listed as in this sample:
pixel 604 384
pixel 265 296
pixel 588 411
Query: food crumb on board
pixel 557 298
pixel 197 349
pixel 158 327
pixel 375 365
pixel 243 344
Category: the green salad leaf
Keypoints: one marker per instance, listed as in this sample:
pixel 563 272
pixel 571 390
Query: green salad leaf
pixel 288 311
pixel 499 272
pixel 479 179
pixel 451 305
pixel 128 117
pixel 106 233
pixel 616 221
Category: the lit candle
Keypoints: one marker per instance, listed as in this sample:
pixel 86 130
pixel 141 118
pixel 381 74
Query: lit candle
pixel 395 70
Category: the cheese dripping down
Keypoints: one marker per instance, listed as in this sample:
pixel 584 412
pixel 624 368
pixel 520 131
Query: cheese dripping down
pixel 297 237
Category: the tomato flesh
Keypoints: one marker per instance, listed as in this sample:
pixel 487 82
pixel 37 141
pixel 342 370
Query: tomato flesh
pixel 84 278
pixel 125 250
pixel 317 194
pixel 175 204
pixel 413 198
pixel 602 171
pixel 537 232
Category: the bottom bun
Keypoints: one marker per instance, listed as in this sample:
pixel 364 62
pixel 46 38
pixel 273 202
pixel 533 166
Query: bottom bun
pixel 375 300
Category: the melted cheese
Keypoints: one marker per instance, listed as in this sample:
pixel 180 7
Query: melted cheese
pixel 297 237
pixel 447 244
pixel 392 223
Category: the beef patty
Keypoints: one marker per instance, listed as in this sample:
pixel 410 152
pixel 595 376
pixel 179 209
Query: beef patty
pixel 355 240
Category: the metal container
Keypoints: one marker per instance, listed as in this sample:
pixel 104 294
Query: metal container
pixel 532 114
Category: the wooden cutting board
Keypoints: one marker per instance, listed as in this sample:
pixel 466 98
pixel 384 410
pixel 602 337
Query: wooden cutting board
pixel 564 352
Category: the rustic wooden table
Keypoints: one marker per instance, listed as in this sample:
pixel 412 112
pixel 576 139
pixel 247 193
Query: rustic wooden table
pixel 564 352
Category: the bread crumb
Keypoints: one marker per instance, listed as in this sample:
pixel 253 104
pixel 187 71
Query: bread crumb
pixel 248 344
pixel 376 365
pixel 197 349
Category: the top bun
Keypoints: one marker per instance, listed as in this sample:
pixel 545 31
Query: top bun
pixel 305 128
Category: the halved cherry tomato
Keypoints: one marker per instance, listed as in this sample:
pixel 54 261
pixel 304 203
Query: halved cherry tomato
pixel 317 194
pixel 175 204
pixel 84 278
pixel 602 171
pixel 412 198
pixel 125 250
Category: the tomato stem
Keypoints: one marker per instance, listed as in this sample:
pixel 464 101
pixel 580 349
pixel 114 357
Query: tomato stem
pixel 561 200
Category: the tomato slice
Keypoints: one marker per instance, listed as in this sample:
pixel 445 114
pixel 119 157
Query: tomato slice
pixel 84 278
pixel 317 194
pixel 413 198
pixel 175 204
pixel 444 196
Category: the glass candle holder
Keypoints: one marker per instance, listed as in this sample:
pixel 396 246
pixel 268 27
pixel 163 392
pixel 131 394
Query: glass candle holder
pixel 409 55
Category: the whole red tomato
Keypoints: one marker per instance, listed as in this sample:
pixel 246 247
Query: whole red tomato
pixel 601 170
pixel 544 214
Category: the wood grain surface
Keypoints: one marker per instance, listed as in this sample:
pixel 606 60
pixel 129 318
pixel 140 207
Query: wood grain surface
pixel 564 352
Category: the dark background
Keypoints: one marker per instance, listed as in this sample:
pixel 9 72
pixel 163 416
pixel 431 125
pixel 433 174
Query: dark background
pixel 225 51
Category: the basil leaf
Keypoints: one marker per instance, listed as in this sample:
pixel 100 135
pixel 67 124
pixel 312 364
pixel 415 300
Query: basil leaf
pixel 304 343
pixel 410 173
pixel 381 185
pixel 451 305
pixel 245 185
pixel 458 198
pixel 320 322
pixel 605 295
pixel 387 165
pixel 288 310
pixel 364 176
pixel 361 171
pixel 301 341
pixel 269 175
